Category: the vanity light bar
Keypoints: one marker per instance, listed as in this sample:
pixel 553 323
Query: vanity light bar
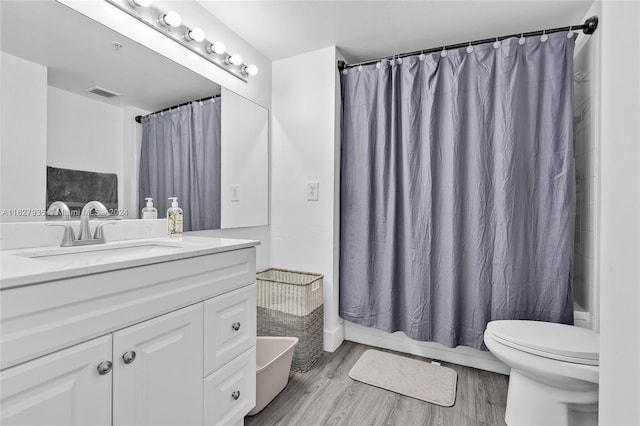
pixel 170 24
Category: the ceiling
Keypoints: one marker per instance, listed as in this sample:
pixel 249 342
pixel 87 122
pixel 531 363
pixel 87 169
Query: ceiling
pixel 372 29
pixel 79 55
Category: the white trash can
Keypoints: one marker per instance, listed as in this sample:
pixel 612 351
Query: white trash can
pixel 273 359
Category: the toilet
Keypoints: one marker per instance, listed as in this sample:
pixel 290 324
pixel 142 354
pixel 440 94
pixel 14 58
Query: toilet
pixel 554 371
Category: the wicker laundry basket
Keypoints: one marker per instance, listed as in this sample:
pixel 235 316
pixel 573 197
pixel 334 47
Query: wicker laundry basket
pixel 290 303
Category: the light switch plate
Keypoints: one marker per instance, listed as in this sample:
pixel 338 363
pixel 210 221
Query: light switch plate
pixel 235 192
pixel 312 190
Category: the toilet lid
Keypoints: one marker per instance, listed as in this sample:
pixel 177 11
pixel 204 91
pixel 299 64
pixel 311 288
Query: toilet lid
pixel 557 341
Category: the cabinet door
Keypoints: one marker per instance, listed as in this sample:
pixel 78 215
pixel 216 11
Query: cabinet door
pixel 157 377
pixel 64 388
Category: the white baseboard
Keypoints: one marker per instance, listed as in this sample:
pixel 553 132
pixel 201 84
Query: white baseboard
pixel 398 341
pixel 333 338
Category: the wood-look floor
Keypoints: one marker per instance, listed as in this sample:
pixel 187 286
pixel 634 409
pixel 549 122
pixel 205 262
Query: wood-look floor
pixel 325 395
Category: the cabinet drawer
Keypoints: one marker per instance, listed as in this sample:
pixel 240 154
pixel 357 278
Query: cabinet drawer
pixel 229 327
pixel 230 392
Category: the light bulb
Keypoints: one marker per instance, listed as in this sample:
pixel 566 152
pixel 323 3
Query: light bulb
pixel 251 70
pixel 195 34
pixel 234 59
pixel 171 19
pixel 216 47
pixel 140 3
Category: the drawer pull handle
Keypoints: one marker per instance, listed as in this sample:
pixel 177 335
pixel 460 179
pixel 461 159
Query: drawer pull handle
pixel 104 367
pixel 235 395
pixel 129 357
pixel 235 326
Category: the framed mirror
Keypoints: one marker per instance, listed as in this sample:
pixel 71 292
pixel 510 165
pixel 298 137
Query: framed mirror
pixel 70 91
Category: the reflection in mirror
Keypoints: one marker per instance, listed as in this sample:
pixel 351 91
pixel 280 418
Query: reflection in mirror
pixel 51 118
pixel 245 162
pixel 180 157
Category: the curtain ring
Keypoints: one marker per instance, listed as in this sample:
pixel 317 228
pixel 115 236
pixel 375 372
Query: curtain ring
pixel 497 43
pixel 469 48
pixel 522 40
pixel 544 37
pixel 422 55
pixel 570 33
pixel 444 52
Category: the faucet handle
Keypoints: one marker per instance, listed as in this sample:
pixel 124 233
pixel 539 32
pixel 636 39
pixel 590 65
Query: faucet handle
pixel 99 232
pixel 68 237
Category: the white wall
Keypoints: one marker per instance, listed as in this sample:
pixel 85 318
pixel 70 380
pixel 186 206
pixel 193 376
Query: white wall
pixel 85 134
pixel 131 143
pixel 245 162
pixel 23 139
pixel 620 215
pixel 586 118
pixel 304 145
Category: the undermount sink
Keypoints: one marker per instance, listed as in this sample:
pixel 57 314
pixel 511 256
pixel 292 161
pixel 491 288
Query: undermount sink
pixel 95 255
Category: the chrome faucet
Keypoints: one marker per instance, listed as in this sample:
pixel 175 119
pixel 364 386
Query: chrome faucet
pixel 84 238
pixel 59 207
pixel 85 230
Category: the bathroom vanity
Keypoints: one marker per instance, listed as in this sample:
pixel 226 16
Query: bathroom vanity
pixel 146 332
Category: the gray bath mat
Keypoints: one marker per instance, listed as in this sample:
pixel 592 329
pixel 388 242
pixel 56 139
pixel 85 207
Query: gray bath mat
pixel 411 377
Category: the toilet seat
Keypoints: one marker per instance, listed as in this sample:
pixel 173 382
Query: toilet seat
pixel 550 340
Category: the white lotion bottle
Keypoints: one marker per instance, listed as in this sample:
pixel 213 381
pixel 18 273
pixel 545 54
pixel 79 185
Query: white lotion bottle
pixel 149 212
pixel 174 219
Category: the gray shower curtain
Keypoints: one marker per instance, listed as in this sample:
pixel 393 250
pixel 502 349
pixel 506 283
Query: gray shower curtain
pixel 456 190
pixel 180 157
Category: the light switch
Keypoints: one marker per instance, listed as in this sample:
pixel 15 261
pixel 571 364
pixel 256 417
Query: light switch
pixel 312 190
pixel 235 192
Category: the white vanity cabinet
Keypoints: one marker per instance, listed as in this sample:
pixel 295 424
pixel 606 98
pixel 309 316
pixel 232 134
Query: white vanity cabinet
pixel 130 350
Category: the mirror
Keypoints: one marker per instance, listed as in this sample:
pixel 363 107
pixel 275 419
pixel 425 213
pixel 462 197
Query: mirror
pixel 51 58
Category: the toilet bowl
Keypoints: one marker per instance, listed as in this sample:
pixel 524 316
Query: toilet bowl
pixel 554 371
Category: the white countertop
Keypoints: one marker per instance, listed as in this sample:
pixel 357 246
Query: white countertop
pixel 28 266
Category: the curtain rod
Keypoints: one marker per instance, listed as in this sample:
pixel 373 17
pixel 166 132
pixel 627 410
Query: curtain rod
pixel 140 117
pixel 589 27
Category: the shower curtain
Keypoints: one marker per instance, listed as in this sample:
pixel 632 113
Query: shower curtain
pixel 456 190
pixel 180 157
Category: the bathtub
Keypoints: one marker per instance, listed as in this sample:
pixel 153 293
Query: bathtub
pixel 273 362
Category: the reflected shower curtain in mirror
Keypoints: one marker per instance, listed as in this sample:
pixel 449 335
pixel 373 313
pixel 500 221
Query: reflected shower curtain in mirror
pixel 457 180
pixel 180 157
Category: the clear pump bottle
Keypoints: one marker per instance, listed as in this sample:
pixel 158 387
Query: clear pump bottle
pixel 149 212
pixel 174 219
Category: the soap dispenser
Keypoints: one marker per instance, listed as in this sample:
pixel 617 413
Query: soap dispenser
pixel 174 219
pixel 149 212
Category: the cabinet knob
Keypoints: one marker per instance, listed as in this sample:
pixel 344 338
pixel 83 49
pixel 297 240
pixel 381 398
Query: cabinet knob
pixel 104 367
pixel 129 357
pixel 235 395
pixel 235 326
